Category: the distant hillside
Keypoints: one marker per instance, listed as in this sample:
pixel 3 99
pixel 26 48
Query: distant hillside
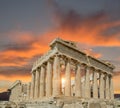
pixel 4 96
pixel 117 96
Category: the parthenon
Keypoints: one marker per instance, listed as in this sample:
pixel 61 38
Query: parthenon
pixel 92 77
pixel 66 73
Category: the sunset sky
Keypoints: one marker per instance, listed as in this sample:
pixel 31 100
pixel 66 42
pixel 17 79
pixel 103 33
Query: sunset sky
pixel 28 26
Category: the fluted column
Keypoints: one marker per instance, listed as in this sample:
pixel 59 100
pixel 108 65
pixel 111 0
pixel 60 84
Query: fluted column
pixel 87 82
pixel 107 92
pixel 42 81
pixel 32 86
pixel 102 86
pixel 49 79
pixel 56 77
pixel 68 79
pixel 111 88
pixel 95 84
pixel 83 89
pixel 78 88
pixel 37 83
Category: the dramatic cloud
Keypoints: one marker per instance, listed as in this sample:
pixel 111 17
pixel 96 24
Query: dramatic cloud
pixel 19 49
pixel 92 53
pixel 92 29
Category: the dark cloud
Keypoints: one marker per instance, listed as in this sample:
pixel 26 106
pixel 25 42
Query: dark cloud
pixel 18 47
pixel 22 70
pixel 73 21
pixel 14 70
pixel 13 59
pixel 72 18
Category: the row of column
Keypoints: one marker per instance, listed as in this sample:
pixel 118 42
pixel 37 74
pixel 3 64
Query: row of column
pixel 41 83
pixel 102 87
pixel 46 81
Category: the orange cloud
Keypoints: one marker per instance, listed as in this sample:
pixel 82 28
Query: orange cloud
pixel 92 53
pixel 13 78
pixel 25 46
pixel 71 26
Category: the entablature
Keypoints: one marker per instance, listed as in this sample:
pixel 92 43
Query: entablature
pixel 70 50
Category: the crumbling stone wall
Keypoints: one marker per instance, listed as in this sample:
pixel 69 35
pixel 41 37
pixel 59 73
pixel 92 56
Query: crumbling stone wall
pixel 16 93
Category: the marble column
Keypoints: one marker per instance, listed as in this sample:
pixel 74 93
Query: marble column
pixel 87 83
pixel 68 79
pixel 95 84
pixel 102 86
pixel 78 88
pixel 42 81
pixel 83 89
pixel 111 88
pixel 107 90
pixel 39 82
pixel 32 85
pixel 36 83
pixel 49 79
pixel 56 76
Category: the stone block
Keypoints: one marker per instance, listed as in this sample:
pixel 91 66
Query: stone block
pixel 94 105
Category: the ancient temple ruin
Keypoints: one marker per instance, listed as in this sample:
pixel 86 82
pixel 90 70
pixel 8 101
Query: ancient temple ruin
pixel 65 76
pixel 91 77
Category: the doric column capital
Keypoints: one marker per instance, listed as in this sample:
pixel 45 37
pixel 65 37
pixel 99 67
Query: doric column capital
pixel 43 66
pixel 50 60
pixel 38 69
pixel 57 55
pixel 33 72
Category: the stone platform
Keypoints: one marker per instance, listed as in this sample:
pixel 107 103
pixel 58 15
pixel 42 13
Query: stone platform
pixel 69 102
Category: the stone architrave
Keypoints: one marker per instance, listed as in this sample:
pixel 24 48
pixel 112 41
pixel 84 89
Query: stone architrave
pixel 87 82
pixel 49 79
pixel 107 90
pixel 42 81
pixel 68 79
pixel 36 84
pixel 78 88
pixel 56 76
pixel 32 86
pixel 95 84
pixel 102 86
pixel 111 88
